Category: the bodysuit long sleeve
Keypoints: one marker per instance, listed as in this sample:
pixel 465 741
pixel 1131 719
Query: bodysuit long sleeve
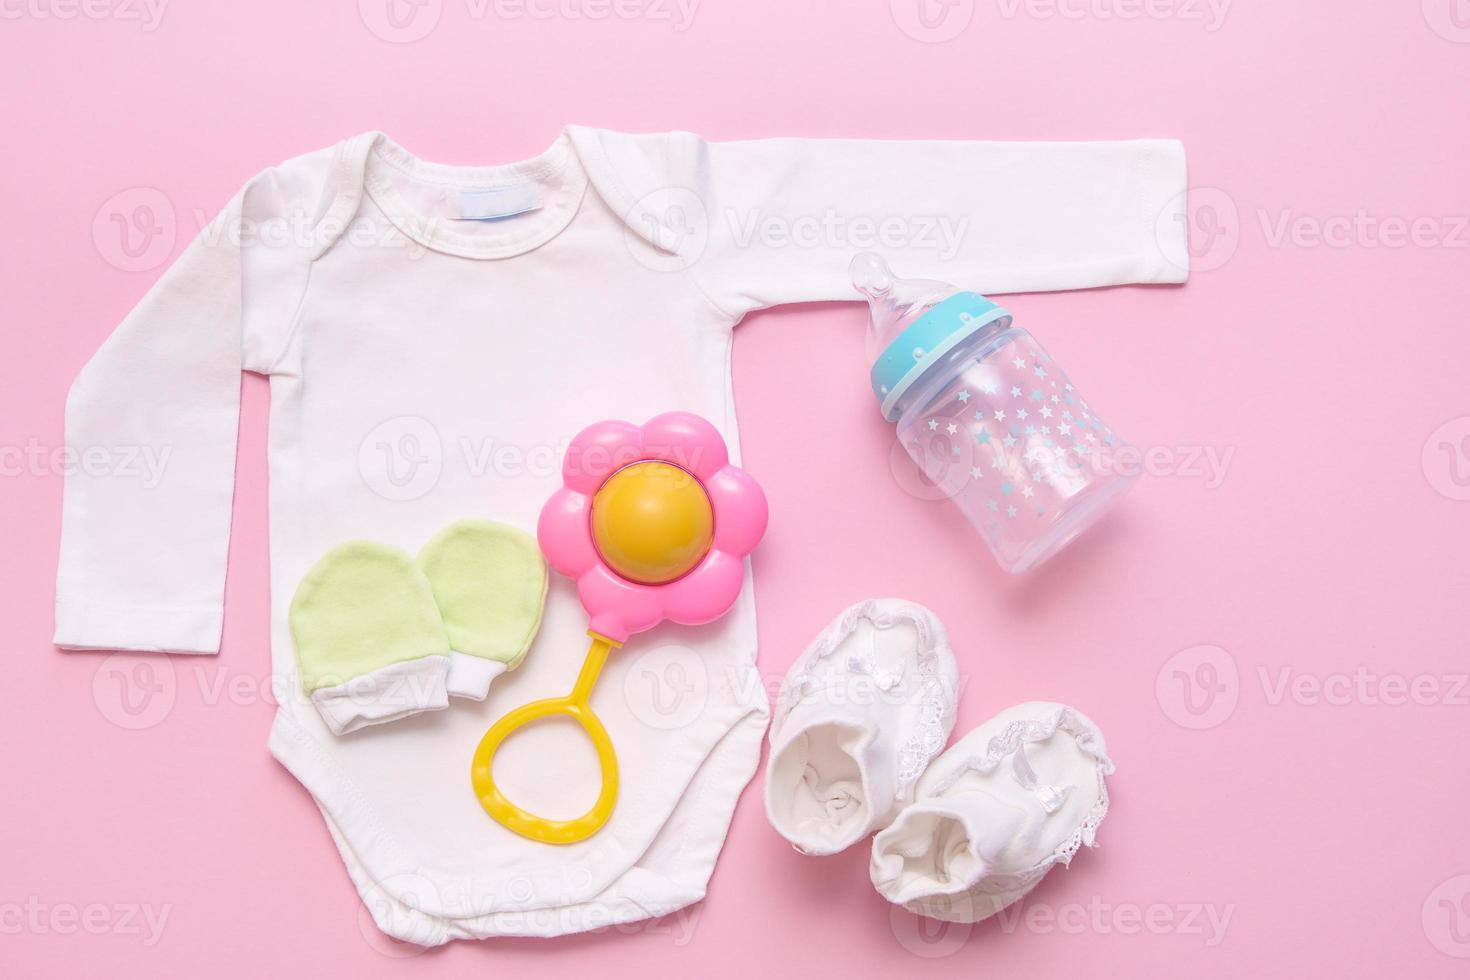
pixel 434 336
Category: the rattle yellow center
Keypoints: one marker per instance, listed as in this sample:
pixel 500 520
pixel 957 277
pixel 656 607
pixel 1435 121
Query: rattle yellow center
pixel 652 522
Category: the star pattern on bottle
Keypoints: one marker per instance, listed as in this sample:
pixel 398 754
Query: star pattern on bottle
pixel 1039 433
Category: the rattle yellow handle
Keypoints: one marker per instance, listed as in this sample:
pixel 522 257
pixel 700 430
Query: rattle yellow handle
pixel 574 705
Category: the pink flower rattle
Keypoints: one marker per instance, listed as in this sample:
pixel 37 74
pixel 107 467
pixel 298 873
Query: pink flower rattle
pixel 653 523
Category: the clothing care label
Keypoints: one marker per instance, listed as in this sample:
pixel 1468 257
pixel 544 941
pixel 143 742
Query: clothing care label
pixel 487 204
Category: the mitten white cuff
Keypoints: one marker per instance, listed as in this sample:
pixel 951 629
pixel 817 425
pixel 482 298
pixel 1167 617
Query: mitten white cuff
pixel 387 694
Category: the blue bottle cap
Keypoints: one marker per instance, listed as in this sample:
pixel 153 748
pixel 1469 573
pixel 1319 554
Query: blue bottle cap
pixel 923 342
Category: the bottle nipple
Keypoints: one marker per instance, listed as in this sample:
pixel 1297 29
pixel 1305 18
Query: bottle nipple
pixel 870 274
pixel 893 302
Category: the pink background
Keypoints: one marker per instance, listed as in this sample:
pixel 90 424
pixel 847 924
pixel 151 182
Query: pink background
pixel 1327 823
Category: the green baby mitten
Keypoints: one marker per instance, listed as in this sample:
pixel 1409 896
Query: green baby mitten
pixel 370 644
pixel 489 581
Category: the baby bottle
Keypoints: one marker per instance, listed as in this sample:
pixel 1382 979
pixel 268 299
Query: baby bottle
pixel 994 424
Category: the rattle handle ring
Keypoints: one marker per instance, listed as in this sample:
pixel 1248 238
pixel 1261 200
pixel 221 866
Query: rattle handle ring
pixel 575 706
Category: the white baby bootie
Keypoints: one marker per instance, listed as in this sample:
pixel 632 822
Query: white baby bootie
pixel 859 716
pixel 992 815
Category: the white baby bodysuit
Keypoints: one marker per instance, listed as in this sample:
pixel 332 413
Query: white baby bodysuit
pixel 434 336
